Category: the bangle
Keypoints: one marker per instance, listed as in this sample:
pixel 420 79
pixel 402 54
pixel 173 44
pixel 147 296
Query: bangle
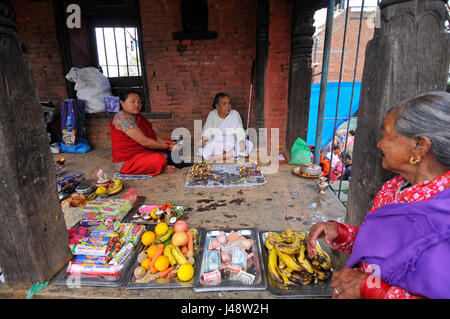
pixel 342 232
pixel 374 292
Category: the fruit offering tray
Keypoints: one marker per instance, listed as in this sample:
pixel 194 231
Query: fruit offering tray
pixel 111 274
pixel 153 214
pixel 171 280
pixel 311 287
pixel 231 261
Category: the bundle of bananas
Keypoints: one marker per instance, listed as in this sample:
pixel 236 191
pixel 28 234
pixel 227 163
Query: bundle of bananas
pixel 289 263
pixel 115 186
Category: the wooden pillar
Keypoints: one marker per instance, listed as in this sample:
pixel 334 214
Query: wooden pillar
pixel 408 55
pixel 262 53
pixel 300 71
pixel 33 236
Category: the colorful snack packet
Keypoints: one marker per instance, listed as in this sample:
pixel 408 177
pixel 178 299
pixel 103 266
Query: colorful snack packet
pixel 96 270
pixel 89 250
pixel 123 253
pixel 93 260
pixel 133 234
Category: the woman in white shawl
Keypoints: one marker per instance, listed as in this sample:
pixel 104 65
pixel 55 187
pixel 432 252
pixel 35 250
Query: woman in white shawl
pixel 223 134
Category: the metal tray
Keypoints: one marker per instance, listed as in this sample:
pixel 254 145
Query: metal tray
pixel 65 279
pixel 165 282
pixel 320 289
pixel 129 217
pixel 260 279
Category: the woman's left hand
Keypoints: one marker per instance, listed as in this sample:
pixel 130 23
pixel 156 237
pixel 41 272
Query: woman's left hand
pixel 346 283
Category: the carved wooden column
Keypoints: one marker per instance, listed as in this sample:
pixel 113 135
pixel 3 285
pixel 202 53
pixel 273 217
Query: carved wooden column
pixel 33 236
pixel 262 53
pixel 407 55
pixel 300 71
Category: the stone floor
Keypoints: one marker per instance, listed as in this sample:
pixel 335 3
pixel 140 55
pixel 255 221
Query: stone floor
pixel 285 201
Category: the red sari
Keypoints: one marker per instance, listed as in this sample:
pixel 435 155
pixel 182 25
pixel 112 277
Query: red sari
pixel 138 160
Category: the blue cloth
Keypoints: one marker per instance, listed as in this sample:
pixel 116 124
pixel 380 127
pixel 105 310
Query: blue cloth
pixel 330 109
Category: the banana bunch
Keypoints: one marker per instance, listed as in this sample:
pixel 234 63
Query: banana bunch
pixel 289 263
pixel 115 186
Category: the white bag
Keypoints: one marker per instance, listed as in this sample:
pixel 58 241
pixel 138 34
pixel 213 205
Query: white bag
pixel 92 86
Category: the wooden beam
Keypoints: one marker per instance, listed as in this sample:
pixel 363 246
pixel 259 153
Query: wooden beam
pixel 34 240
pixel 300 72
pixel 408 55
pixel 262 53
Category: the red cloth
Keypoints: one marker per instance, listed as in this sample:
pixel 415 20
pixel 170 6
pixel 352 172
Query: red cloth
pixel 138 159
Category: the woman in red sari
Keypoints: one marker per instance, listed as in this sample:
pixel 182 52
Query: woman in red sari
pixel 136 150
pixel 401 250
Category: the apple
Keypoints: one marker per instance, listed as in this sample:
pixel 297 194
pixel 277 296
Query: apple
pixel 180 226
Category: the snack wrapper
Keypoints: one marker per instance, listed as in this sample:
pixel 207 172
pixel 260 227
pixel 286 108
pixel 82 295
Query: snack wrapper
pixel 89 250
pixel 96 270
pixel 123 253
pixel 133 234
pixel 93 260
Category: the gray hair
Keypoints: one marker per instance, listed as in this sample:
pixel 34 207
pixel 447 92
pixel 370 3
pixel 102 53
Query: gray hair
pixel 427 114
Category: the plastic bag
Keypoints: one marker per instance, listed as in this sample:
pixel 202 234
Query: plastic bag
pixel 300 153
pixel 91 85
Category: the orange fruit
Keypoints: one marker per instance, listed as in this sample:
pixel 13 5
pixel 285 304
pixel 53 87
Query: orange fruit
pixel 161 229
pixel 148 238
pixel 161 263
pixel 151 251
pixel 185 272
pixel 146 263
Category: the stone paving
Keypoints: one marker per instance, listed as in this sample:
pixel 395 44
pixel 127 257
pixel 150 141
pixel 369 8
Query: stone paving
pixel 285 201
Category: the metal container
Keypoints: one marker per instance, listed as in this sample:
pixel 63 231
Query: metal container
pixel 166 282
pixel 319 289
pixel 85 188
pixel 259 282
pixel 72 281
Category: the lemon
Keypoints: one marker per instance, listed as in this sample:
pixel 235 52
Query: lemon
pixel 101 190
pixel 161 229
pixel 185 272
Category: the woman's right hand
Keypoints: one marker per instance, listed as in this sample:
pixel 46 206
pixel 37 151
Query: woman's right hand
pixel 328 231
pixel 204 140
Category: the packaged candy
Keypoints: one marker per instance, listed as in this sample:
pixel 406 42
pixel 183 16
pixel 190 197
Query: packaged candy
pixel 120 257
pixel 94 260
pixel 96 270
pixel 90 222
pixel 133 234
pixel 89 250
pixel 98 241
pixel 105 233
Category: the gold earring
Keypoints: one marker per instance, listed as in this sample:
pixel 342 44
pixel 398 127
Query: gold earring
pixel 414 161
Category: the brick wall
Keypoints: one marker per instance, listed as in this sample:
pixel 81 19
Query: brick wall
pixel 277 72
pixel 351 42
pixel 37 31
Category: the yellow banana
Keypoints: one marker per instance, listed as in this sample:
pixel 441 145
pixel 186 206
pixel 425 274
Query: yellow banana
pixel 268 245
pixel 273 269
pixel 168 254
pixel 178 255
pixel 281 264
pixel 322 261
pixel 288 260
pixel 303 277
pixel 303 261
pixel 115 187
pixel 291 248
pixel 166 236
pixel 285 276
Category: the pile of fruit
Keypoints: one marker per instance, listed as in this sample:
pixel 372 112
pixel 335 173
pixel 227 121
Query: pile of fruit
pixel 289 263
pixel 168 254
pixel 108 187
